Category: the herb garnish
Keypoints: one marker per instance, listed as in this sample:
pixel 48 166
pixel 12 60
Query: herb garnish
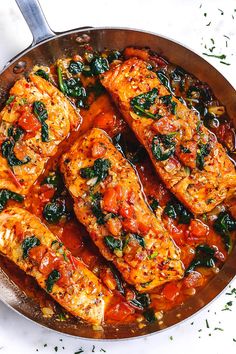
pixel 42 73
pixel 141 300
pixel 113 243
pixel 75 67
pixel 53 277
pixel 99 169
pixel 54 210
pixel 174 209
pixel 29 243
pixel 142 103
pixel 163 146
pixel 164 80
pixel 149 315
pixel 96 208
pixel 224 224
pixel 167 101
pixel 204 257
pixel 6 195
pixel 41 114
pixel 154 204
pixel 202 152
pixel 8 152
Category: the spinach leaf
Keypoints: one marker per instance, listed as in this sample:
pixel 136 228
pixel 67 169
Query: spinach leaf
pixel 184 149
pixel 15 132
pixel 139 239
pixel 29 243
pixel 54 210
pixel 53 179
pixel 202 152
pixel 224 224
pixel 141 300
pixel 75 67
pixel 8 152
pixel 165 141
pixel 99 65
pixel 114 55
pixel 149 315
pixel 42 73
pixel 10 100
pixel 118 279
pixel 99 169
pixel 174 209
pixel 141 103
pixel 164 80
pixel 113 243
pixel 154 204
pixel 53 277
pixel 204 257
pixel 96 208
pixel 167 101
pixel 74 88
pixel 41 114
pixel 5 195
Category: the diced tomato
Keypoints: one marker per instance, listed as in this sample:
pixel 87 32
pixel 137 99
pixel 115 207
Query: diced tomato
pixel 98 150
pixel 122 193
pixel 126 210
pixel 119 312
pixel 198 228
pixel 19 151
pixel 193 280
pixel 114 226
pixel 130 225
pixel 48 263
pixel 143 227
pixel 110 202
pixel 170 291
pixel 29 122
pixel 37 253
pixel 46 193
pixel 65 270
pixel 19 231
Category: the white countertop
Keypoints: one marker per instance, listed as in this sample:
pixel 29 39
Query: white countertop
pixel 184 21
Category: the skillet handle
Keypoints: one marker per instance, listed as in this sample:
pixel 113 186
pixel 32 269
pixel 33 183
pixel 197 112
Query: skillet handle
pixel 34 16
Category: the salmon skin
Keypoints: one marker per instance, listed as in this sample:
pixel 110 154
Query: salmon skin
pixel 34 249
pixel 109 201
pixel 185 154
pixel 35 120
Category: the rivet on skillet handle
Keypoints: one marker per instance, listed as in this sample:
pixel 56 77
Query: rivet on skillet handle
pixel 33 14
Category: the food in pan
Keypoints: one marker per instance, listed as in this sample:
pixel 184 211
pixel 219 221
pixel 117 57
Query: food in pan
pixel 128 218
pixel 36 118
pixel 109 202
pixel 29 244
pixel 186 155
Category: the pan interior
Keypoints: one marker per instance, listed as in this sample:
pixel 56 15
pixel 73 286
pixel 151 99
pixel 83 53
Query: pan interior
pixel 100 39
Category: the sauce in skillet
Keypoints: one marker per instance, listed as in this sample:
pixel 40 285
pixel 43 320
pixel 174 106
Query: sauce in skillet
pixel 97 110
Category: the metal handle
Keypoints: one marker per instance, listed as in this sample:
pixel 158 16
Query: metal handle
pixel 33 14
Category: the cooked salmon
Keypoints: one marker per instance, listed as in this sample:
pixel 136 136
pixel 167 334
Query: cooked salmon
pixel 36 118
pixel 34 249
pixel 108 200
pixel 186 155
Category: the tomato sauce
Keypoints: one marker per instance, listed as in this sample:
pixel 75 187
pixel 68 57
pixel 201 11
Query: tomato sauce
pixel 102 113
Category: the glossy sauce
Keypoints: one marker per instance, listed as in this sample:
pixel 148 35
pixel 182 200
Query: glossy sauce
pixel 103 114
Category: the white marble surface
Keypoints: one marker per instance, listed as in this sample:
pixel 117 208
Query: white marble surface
pixel 184 21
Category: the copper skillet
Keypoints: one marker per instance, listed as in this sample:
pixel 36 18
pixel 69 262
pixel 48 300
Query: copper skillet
pixel 48 46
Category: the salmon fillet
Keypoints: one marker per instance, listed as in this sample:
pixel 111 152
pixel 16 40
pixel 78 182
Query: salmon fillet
pixel 34 249
pixel 108 200
pixel 25 151
pixel 185 154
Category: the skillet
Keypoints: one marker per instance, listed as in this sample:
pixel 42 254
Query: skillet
pixel 46 47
